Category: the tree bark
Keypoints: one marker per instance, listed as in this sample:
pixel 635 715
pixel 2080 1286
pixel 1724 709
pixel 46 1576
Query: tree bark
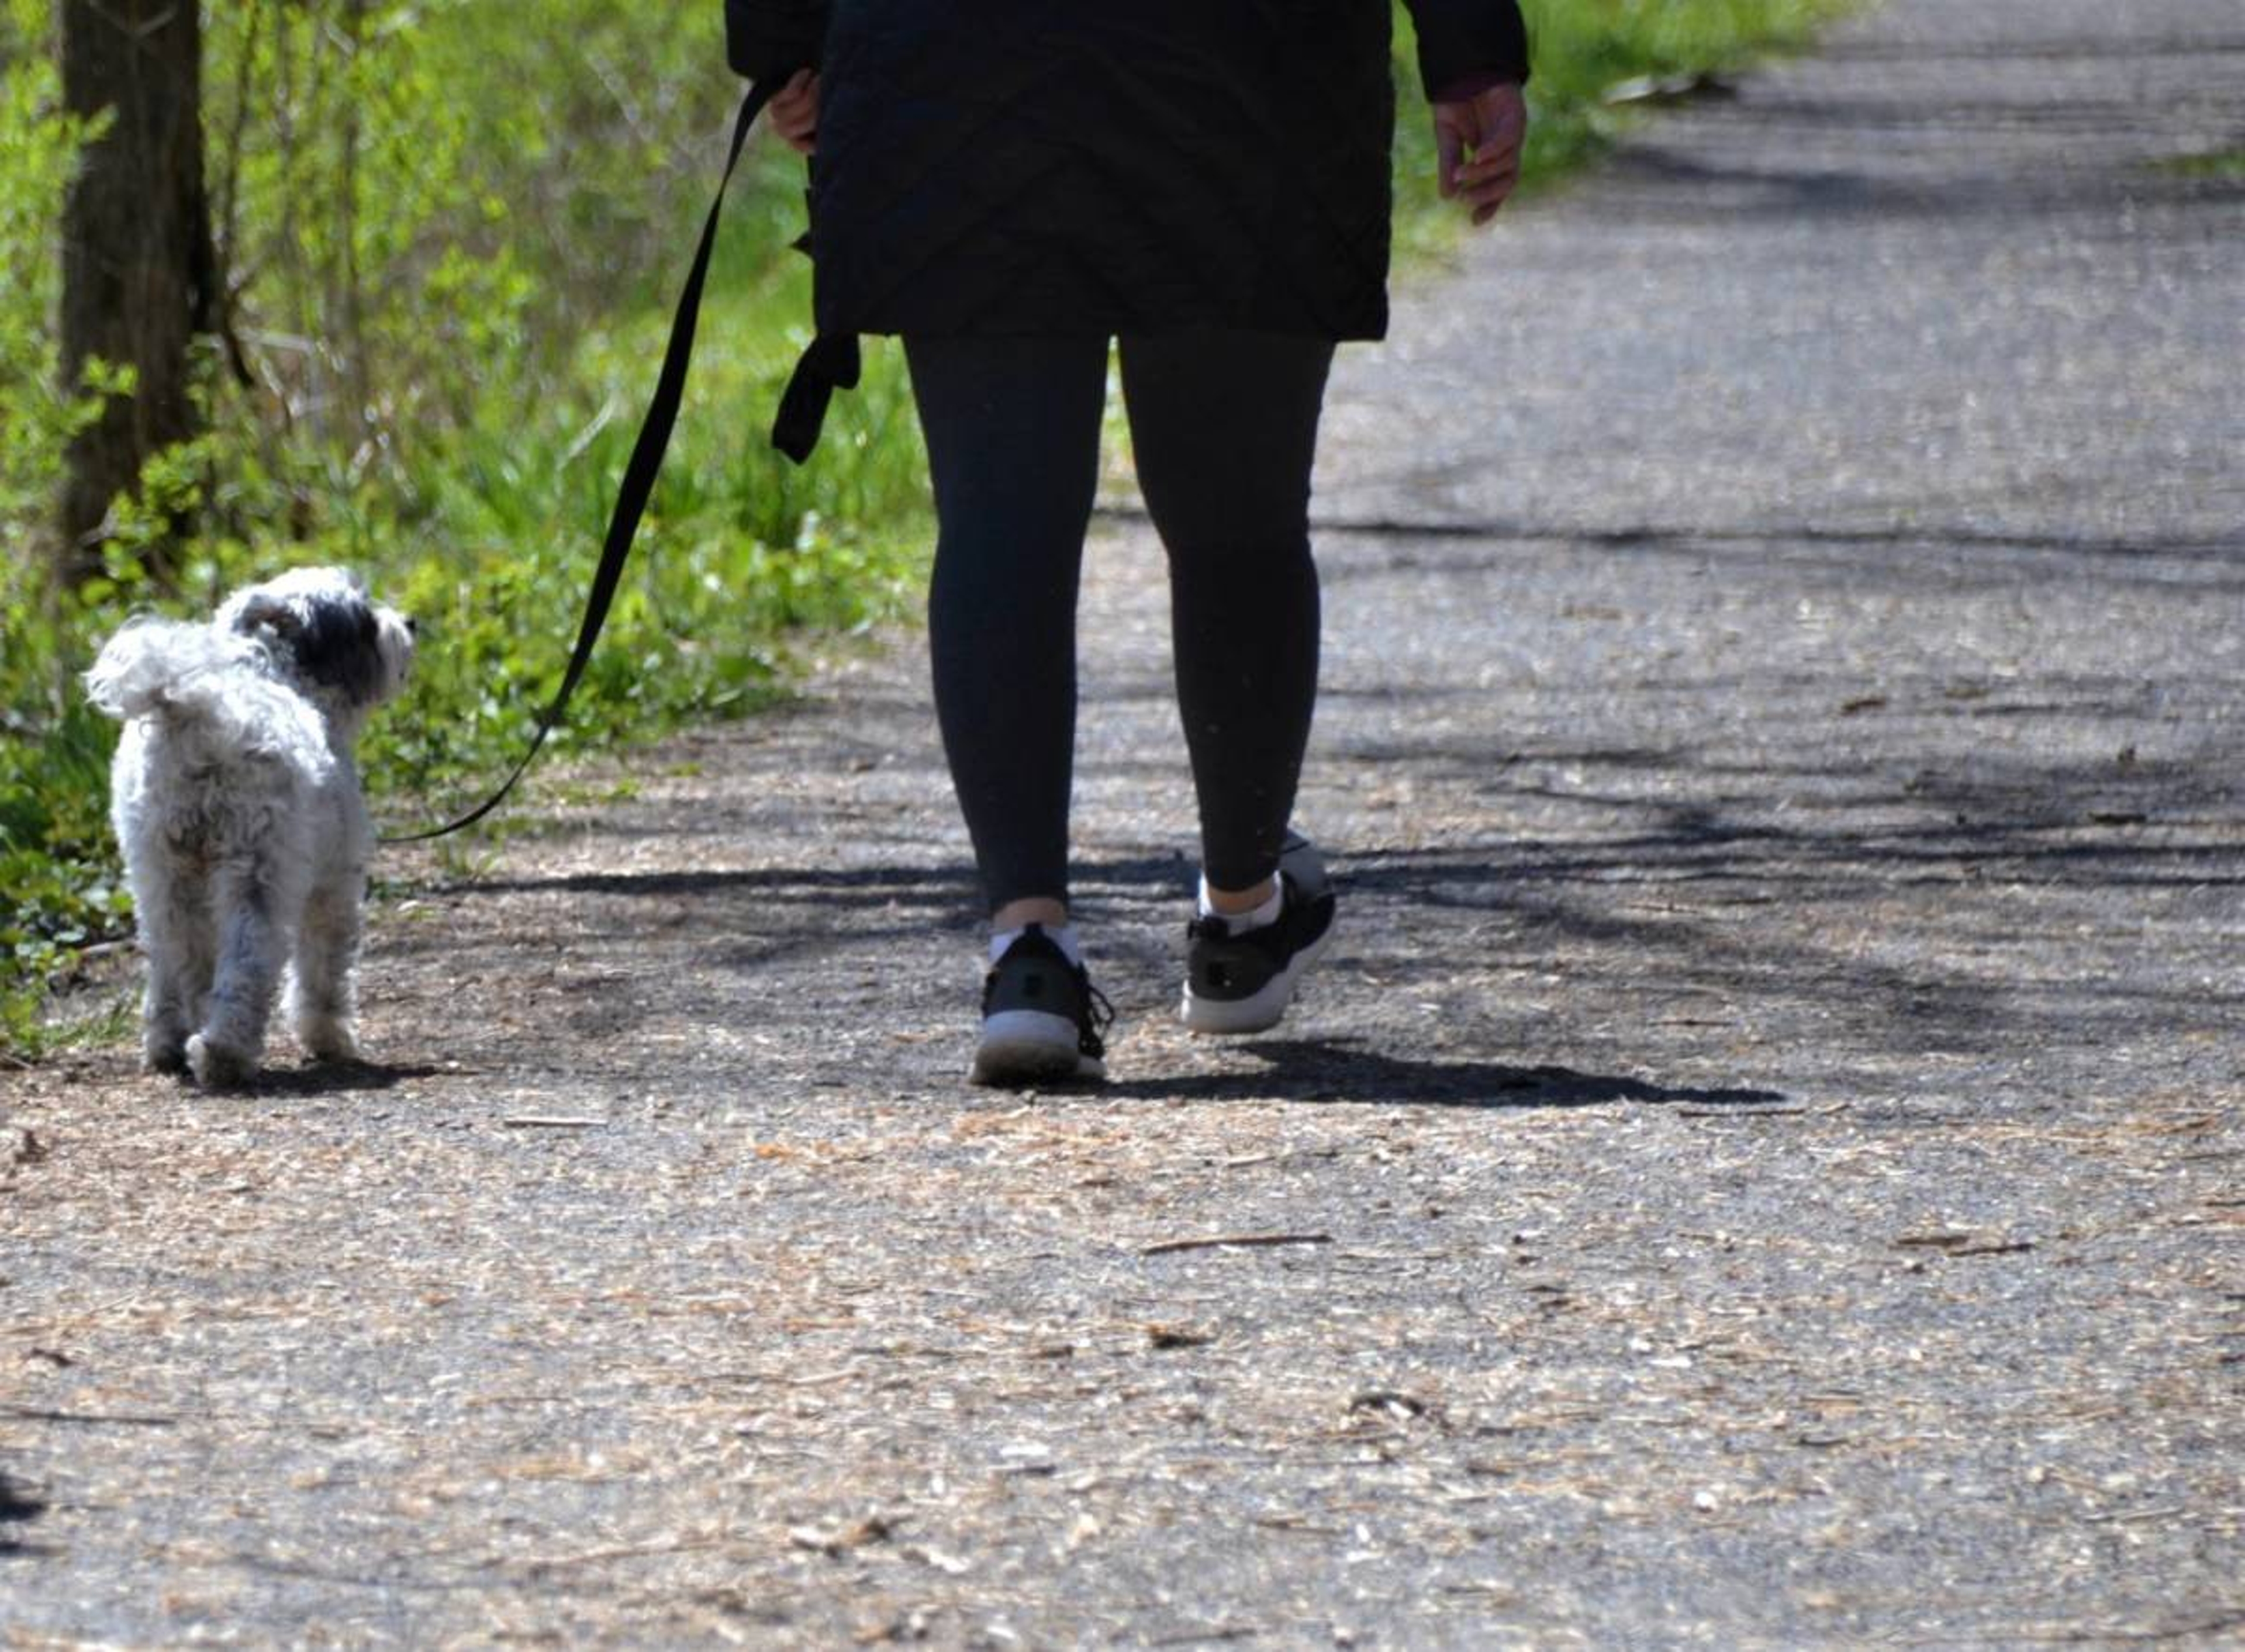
pixel 139 276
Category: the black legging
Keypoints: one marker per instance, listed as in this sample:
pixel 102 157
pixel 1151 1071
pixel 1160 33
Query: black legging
pixel 1225 427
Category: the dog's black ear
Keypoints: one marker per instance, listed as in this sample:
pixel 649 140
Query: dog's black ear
pixel 270 612
pixel 340 647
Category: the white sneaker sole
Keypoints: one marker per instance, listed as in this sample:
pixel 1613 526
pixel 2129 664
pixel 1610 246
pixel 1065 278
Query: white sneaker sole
pixel 1030 1046
pixel 1228 1018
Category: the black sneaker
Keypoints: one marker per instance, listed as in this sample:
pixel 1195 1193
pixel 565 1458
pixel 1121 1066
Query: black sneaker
pixel 1042 1018
pixel 1243 983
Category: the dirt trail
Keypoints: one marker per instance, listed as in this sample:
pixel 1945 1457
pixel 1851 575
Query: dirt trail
pixel 1759 1165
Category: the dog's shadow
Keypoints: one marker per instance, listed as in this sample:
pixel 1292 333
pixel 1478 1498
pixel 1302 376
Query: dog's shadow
pixel 329 1078
pixel 1345 1071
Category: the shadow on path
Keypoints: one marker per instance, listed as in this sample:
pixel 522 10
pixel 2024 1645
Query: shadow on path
pixel 1344 1070
pixel 333 1078
pixel 17 1507
pixel 1490 541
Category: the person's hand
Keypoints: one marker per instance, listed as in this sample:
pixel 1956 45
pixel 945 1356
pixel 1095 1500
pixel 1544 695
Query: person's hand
pixel 794 111
pixel 1477 140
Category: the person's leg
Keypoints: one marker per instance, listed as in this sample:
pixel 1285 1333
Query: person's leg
pixel 1012 426
pixel 1225 427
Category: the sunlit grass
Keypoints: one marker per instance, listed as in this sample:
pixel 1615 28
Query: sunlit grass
pixel 2226 165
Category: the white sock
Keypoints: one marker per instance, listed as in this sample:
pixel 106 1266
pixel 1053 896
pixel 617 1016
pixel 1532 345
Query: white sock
pixel 1240 923
pixel 1063 936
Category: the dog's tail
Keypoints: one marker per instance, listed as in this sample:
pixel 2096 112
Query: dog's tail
pixel 155 666
pixel 181 672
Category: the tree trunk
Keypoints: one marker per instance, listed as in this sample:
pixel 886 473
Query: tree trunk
pixel 138 267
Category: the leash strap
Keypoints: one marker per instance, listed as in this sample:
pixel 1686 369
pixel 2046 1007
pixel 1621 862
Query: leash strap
pixel 832 363
pixel 639 474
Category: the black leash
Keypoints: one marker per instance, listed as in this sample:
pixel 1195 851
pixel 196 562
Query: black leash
pixel 646 458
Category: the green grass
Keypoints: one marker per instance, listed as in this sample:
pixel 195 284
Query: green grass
pixel 2220 165
pixel 516 297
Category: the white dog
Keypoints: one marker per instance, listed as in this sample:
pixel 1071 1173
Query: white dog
pixel 236 804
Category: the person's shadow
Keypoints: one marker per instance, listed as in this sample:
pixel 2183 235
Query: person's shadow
pixel 1344 1070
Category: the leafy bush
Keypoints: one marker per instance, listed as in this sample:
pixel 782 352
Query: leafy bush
pixel 55 891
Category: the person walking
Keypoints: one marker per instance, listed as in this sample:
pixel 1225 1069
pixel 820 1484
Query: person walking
pixel 1010 186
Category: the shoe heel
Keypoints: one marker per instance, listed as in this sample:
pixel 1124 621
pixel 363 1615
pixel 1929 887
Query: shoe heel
pixel 1234 1018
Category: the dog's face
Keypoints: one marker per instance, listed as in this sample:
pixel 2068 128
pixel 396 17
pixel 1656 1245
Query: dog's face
pixel 323 630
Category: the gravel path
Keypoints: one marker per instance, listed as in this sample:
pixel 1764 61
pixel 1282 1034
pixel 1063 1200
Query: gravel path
pixel 1759 1165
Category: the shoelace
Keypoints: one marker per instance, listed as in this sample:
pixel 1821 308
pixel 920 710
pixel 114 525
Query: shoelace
pixel 1098 1016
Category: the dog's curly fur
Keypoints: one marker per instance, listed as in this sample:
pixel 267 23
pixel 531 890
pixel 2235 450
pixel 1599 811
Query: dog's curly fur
pixel 236 804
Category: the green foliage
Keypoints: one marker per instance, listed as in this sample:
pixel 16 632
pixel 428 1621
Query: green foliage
pixel 55 889
pixel 2216 166
pixel 38 146
pixel 59 887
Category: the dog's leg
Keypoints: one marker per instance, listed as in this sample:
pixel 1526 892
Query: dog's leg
pixel 254 914
pixel 169 1010
pixel 321 995
pixel 173 909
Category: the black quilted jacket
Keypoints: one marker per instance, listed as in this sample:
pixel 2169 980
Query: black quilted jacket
pixel 1108 166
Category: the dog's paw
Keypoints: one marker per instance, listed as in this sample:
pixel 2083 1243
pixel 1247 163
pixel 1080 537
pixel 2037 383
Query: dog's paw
pixel 165 1054
pixel 217 1068
pixel 326 1040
